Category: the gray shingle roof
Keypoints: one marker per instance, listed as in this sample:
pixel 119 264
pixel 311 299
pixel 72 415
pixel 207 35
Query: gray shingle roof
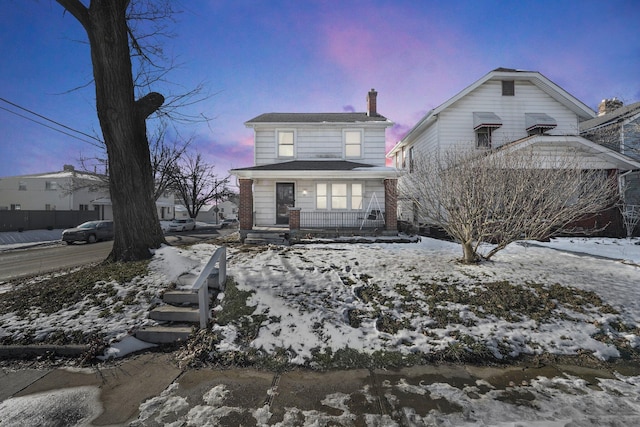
pixel 308 165
pixel 316 118
pixel 614 116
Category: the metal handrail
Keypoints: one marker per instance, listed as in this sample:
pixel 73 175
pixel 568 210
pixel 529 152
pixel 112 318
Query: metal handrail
pixel 201 285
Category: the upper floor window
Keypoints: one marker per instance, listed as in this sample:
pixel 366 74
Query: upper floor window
pixel 353 143
pixel 22 186
pixel 483 137
pixel 285 143
pixel 539 123
pixel 411 159
pixel 50 185
pixel 484 124
pixel 508 88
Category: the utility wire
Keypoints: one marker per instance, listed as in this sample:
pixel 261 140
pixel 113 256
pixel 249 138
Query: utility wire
pixel 52 121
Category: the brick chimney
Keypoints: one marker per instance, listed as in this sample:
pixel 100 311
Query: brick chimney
pixel 372 104
pixel 609 105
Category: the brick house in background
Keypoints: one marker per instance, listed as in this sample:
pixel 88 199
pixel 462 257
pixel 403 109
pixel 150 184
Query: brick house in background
pixel 319 173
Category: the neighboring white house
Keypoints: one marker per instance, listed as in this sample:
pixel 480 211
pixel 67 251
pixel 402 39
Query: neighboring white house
pixel 329 167
pixel 618 127
pixel 507 106
pixel 66 190
pixel 225 210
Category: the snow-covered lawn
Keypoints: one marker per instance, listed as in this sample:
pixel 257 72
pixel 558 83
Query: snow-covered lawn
pixel 311 301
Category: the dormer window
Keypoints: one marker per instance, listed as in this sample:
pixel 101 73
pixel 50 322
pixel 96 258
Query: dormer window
pixel 539 123
pixel 353 143
pixel 484 123
pixel 285 143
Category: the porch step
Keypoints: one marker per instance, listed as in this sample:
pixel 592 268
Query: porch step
pixel 180 297
pixel 187 280
pixel 164 334
pixel 170 313
pixel 266 238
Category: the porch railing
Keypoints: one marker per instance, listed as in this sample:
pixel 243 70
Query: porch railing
pixel 337 220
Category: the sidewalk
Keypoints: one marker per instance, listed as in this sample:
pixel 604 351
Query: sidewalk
pixel 149 390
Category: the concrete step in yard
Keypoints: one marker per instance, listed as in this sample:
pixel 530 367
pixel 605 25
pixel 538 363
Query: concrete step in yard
pixel 171 313
pixel 180 297
pixel 164 334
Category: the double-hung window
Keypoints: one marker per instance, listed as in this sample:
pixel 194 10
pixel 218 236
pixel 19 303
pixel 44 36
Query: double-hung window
pixel 353 143
pixel 285 143
pixel 339 196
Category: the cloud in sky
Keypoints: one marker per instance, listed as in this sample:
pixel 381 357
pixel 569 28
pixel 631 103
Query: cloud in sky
pixel 284 56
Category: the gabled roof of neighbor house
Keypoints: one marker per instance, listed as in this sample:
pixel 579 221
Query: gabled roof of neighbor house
pixel 316 169
pixel 298 118
pixel 535 77
pixel 617 115
pixel 579 144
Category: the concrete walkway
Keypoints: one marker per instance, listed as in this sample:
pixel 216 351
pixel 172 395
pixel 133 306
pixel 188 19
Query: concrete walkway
pixel 150 390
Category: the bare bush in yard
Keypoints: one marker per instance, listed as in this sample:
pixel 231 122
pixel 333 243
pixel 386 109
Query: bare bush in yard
pixel 500 196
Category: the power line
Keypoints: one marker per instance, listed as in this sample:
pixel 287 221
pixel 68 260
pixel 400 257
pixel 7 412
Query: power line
pixel 52 121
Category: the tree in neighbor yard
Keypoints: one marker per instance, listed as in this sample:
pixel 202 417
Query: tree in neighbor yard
pixel 500 197
pixel 123 122
pixel 196 184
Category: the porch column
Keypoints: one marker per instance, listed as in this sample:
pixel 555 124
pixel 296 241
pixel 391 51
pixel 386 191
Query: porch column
pixel 245 210
pixel 391 204
pixel 294 219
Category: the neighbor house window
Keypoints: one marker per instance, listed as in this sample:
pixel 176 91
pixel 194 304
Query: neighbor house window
pixel 22 186
pixel 285 143
pixel 50 185
pixel 483 138
pixel 353 143
pixel 16 207
pixel 508 88
pixel 84 207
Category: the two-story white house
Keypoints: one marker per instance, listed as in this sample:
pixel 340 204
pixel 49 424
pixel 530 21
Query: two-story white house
pixel 513 109
pixel 319 171
pixel 68 190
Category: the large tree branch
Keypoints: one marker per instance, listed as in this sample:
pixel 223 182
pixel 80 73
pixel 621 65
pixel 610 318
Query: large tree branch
pixel 78 10
pixel 149 104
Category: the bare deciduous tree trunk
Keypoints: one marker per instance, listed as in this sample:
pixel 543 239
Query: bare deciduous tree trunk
pixel 123 123
pixel 500 197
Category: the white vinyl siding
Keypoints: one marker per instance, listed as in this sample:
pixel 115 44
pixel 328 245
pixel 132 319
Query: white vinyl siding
pixel 321 142
pixel 455 124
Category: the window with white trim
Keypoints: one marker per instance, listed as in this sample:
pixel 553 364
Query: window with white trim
pixel 22 186
pixel 483 137
pixel 353 143
pixel 285 143
pixel 321 196
pixel 339 196
pixel 50 185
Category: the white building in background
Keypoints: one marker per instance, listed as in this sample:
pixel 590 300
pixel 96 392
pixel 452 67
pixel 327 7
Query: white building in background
pixel 66 190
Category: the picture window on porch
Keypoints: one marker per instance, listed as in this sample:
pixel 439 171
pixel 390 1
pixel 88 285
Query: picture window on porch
pixel 285 143
pixel 353 143
pixel 339 196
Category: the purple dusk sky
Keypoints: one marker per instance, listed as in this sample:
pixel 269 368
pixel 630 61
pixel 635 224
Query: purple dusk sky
pixel 308 56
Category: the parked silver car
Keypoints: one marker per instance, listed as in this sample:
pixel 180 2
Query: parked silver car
pixel 89 232
pixel 182 224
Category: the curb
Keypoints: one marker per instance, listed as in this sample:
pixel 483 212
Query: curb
pixel 19 351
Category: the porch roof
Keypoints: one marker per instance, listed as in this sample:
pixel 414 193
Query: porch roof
pixel 316 168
